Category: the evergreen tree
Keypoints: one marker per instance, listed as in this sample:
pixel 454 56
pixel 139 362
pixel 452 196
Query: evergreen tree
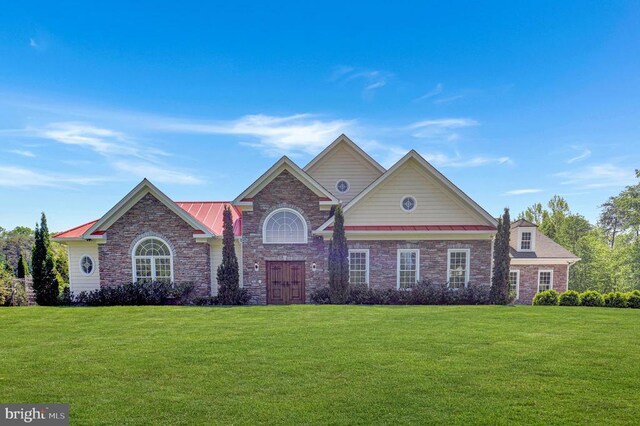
pixel 338 261
pixel 501 261
pixel 228 272
pixel 45 281
pixel 23 269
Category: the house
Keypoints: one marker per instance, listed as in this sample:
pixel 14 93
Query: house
pixel 403 225
pixel 537 262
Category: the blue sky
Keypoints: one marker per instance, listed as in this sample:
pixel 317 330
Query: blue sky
pixel 513 101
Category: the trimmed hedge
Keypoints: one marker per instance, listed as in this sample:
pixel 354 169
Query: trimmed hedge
pixel 633 299
pixel 591 298
pixel 569 298
pixel 424 293
pixel 546 298
pixel 615 300
pixel 152 293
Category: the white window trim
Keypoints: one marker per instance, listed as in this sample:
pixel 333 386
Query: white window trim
pixel 93 262
pixel 517 271
pixel 415 205
pixel 540 271
pixel 366 251
pixel 533 239
pixel 417 252
pixel 348 186
pixel 297 213
pixel 153 264
pixel 467 269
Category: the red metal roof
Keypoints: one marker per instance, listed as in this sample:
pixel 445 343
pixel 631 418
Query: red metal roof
pixel 416 228
pixel 208 213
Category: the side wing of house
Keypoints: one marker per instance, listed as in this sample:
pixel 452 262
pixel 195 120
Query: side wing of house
pixel 344 169
pixel 537 262
pixel 413 224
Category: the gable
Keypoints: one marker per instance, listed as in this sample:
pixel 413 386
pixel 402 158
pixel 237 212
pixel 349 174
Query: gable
pixel 436 204
pixel 344 162
pixel 245 199
pixel 143 189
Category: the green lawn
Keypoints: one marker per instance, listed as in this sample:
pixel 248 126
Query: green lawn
pixel 325 364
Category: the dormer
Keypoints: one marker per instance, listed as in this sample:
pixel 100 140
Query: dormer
pixel 526 235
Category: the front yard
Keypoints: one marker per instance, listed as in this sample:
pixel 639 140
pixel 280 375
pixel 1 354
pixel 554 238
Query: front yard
pixel 325 364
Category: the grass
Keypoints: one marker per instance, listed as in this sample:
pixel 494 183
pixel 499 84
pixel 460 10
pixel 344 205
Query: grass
pixel 325 364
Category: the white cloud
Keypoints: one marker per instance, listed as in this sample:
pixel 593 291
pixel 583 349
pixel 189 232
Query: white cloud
pixel 118 149
pixel 444 160
pixel 32 43
pixel 448 99
pixel 523 191
pixel 586 153
pixel 431 93
pixel 293 134
pixel 19 177
pixel 598 176
pixel 442 128
pixel 23 153
pixel 371 79
pixel 156 173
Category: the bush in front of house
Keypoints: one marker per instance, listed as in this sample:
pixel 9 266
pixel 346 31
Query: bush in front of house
pixel 144 293
pixel 633 299
pixel 591 298
pixel 546 298
pixel 615 300
pixel 423 293
pixel 569 298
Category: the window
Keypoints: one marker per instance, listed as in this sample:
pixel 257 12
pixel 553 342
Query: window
pixel 359 267
pixel 86 264
pixel 284 226
pixel 545 280
pixel 514 282
pixel 152 261
pixel 408 203
pixel 342 186
pixel 458 267
pixel 526 240
pixel 408 268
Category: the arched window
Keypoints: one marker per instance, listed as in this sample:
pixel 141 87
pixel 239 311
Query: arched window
pixel 284 226
pixel 152 261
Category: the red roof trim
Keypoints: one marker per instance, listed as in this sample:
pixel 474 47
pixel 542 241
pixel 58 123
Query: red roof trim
pixel 416 228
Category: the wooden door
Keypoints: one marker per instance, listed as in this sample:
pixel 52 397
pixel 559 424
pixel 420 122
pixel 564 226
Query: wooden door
pixel 285 282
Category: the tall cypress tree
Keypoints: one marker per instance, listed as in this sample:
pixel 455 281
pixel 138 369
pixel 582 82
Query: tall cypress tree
pixel 501 261
pixel 338 261
pixel 228 272
pixel 45 281
pixel 23 269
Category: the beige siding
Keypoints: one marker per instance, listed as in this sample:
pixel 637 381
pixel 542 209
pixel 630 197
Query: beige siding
pixel 216 260
pixel 436 204
pixel 344 163
pixel 78 281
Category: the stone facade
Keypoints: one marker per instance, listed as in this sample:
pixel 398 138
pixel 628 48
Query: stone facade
pixel 383 260
pixel 149 217
pixel 529 280
pixel 283 191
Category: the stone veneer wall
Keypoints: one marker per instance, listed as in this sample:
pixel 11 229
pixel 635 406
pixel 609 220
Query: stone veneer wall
pixel 529 280
pixel 149 217
pixel 383 260
pixel 283 191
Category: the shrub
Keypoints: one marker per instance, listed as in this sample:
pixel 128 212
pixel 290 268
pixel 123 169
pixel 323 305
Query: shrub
pixel 152 293
pixel 615 300
pixel 546 298
pixel 591 298
pixel 633 299
pixel 205 301
pixel 570 298
pixel 424 293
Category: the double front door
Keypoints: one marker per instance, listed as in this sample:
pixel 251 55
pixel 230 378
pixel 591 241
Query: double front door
pixel 285 282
